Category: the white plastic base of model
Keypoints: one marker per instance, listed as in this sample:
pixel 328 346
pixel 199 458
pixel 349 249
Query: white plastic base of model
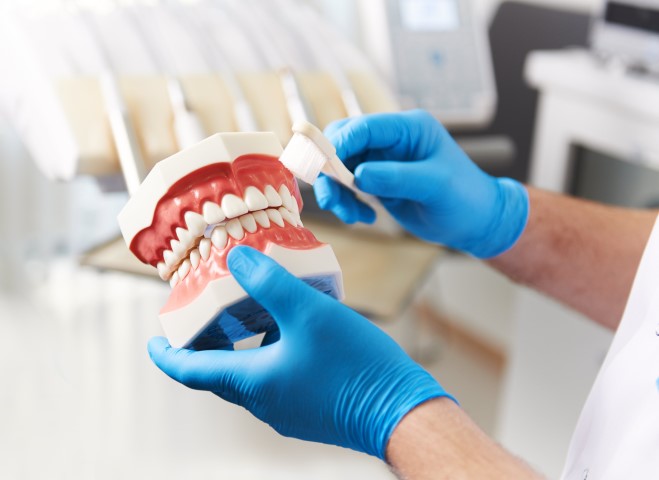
pixel 219 148
pixel 182 326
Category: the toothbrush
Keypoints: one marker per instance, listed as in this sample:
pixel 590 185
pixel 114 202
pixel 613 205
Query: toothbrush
pixel 309 153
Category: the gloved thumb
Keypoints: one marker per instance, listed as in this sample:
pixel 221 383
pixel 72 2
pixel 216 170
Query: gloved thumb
pixel 214 370
pixel 392 179
pixel 267 282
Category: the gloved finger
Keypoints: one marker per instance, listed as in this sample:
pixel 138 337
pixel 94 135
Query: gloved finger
pixel 353 212
pixel 342 202
pixel 359 134
pixel 274 288
pixel 204 370
pixel 393 179
pixel 334 126
pixel 327 192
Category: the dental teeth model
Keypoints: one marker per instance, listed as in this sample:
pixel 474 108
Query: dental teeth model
pixel 194 207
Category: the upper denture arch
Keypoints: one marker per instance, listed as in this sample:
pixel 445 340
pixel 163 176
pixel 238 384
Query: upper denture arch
pixel 251 192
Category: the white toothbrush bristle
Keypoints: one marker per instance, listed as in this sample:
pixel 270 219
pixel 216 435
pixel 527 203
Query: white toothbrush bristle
pixel 303 158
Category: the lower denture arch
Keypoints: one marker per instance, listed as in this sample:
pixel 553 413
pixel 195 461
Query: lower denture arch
pixel 215 267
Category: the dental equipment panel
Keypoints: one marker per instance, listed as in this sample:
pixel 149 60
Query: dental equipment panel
pixel 194 207
pixel 436 54
pixel 628 31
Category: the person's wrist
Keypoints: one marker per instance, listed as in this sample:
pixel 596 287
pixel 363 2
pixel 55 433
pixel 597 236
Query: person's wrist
pixel 415 423
pixel 393 399
pixel 437 440
pixel 507 223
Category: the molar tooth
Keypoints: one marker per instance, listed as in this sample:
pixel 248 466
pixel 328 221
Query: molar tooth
pixel 195 258
pixel 262 218
pixel 213 213
pixel 164 271
pixel 286 215
pixel 195 223
pixel 274 200
pixel 235 229
pixel 184 269
pixel 205 248
pixel 255 200
pixel 275 216
pixel 248 222
pixel 170 258
pixel 185 238
pixel 286 197
pixel 174 280
pixel 233 206
pixel 219 237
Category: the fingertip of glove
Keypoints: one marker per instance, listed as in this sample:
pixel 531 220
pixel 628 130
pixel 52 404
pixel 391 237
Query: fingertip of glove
pixel 366 214
pixel 241 260
pixel 345 213
pixel 325 191
pixel 254 271
pixel 157 345
pixel 369 176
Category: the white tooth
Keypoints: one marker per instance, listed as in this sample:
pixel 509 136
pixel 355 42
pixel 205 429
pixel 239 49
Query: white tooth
pixel 275 216
pixel 164 271
pixel 170 258
pixel 233 206
pixel 286 197
pixel 174 280
pixel 195 258
pixel 195 223
pixel 178 248
pixel 296 212
pixel 274 200
pixel 184 269
pixel 219 237
pixel 255 200
pixel 262 218
pixel 286 215
pixel 235 229
pixel 185 238
pixel 205 248
pixel 213 213
pixel 295 207
pixel 248 222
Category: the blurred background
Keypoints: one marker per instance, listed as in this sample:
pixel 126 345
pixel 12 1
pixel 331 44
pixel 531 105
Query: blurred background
pixel 562 95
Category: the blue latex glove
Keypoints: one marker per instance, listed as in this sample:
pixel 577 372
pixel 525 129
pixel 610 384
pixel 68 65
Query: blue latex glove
pixel 425 181
pixel 331 377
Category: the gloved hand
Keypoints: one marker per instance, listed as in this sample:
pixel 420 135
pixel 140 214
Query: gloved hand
pixel 331 377
pixel 425 181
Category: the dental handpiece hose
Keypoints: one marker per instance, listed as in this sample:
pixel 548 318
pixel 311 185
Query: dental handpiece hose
pixel 126 142
pixel 187 126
